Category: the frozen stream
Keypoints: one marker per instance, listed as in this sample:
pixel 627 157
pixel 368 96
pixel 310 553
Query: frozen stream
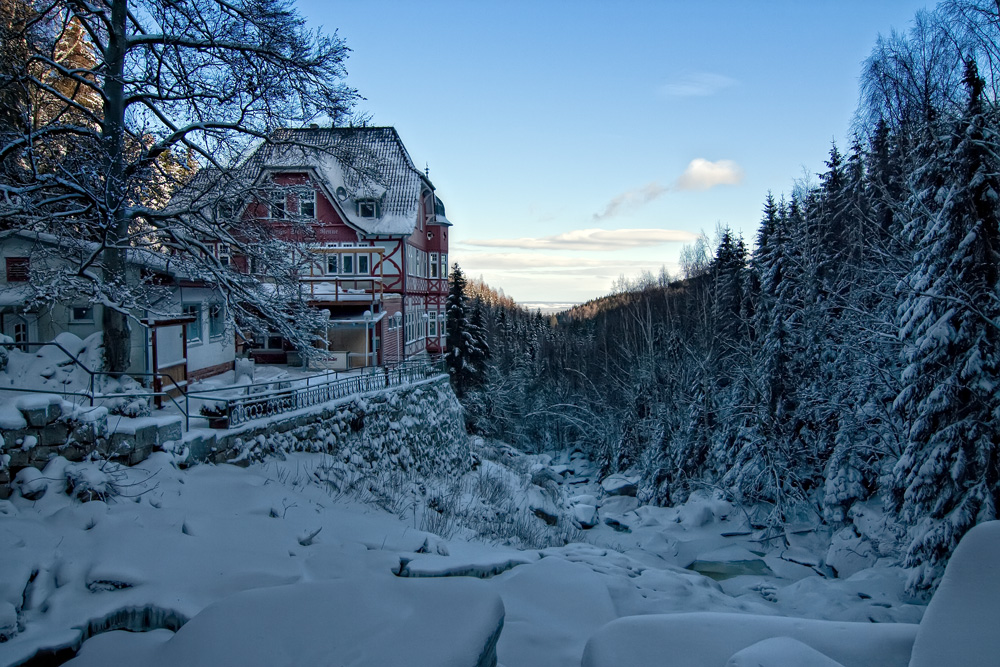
pixel 168 543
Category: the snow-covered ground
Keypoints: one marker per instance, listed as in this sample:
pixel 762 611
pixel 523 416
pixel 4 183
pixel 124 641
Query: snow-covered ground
pixel 277 564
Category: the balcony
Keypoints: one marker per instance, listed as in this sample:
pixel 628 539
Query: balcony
pixel 350 289
pixel 344 275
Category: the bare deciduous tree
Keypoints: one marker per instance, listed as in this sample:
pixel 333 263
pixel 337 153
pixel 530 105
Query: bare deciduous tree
pixel 156 91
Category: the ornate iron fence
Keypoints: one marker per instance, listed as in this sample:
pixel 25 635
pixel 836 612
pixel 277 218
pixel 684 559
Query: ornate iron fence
pixel 242 409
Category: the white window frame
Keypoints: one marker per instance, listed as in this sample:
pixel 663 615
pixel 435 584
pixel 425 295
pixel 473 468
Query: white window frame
pixel 444 265
pixel 363 208
pixel 366 259
pixel 20 331
pixel 195 326
pixel 216 321
pixel 279 205
pixel 307 198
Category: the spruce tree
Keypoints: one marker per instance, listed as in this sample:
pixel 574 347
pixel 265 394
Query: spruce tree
pixel 462 351
pixel 946 481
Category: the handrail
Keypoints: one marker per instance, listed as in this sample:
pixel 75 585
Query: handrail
pixel 91 392
pixel 241 409
pixel 262 403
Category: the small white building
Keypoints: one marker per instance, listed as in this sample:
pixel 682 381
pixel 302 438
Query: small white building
pixel 185 332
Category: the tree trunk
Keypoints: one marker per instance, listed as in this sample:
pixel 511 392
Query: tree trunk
pixel 115 322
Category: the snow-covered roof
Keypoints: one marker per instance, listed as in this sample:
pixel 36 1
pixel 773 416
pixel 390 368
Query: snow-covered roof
pixel 73 248
pixel 369 163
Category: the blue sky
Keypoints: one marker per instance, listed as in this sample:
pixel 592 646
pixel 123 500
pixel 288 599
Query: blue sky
pixel 650 122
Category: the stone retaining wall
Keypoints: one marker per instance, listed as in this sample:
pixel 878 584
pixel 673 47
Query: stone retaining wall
pixel 418 426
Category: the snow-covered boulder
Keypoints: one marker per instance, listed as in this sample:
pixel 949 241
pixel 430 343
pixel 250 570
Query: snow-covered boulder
pixel 544 476
pixel 620 485
pixel 619 504
pixel 583 498
pixel 962 620
pixel 850 553
pixel 585 516
pixel 31 483
pixel 708 639
pixel 541 505
pixel 374 623
pixel 781 652
pixel 695 514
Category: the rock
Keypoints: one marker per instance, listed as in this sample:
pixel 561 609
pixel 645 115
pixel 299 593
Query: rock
pixel 850 553
pixel 583 499
pixel 617 525
pixel 544 477
pixel 697 639
pixel 960 625
pixel 545 515
pixel 695 514
pixel 391 621
pixel 39 409
pixel 542 506
pixel 781 652
pixel 30 483
pixel 619 485
pixel 585 516
pixel 619 505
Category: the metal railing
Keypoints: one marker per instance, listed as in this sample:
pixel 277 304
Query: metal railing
pixel 234 411
pixel 257 401
pixel 92 394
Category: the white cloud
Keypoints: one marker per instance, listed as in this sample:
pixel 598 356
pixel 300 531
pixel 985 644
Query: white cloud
pixel 592 239
pixel 548 277
pixel 631 199
pixel 702 174
pixel 700 84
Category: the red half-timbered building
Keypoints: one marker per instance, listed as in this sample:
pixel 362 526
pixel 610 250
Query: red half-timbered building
pixel 378 232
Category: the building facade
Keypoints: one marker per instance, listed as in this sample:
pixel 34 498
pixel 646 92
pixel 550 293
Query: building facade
pixel 376 235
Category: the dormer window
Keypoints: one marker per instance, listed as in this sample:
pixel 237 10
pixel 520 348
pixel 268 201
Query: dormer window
pixel 368 208
pixel 307 203
pixel 278 205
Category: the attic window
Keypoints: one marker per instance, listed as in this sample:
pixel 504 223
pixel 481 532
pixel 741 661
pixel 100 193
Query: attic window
pixel 278 200
pixel 307 203
pixel 368 208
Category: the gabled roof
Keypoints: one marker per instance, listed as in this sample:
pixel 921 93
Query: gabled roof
pixel 73 249
pixel 367 162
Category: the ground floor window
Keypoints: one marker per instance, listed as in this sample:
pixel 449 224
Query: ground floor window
pixel 216 320
pixel 270 341
pixel 20 332
pixel 193 328
pixel 81 314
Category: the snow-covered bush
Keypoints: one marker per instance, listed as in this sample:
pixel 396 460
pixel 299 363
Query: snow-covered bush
pixel 4 351
pixel 31 483
pixel 93 480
